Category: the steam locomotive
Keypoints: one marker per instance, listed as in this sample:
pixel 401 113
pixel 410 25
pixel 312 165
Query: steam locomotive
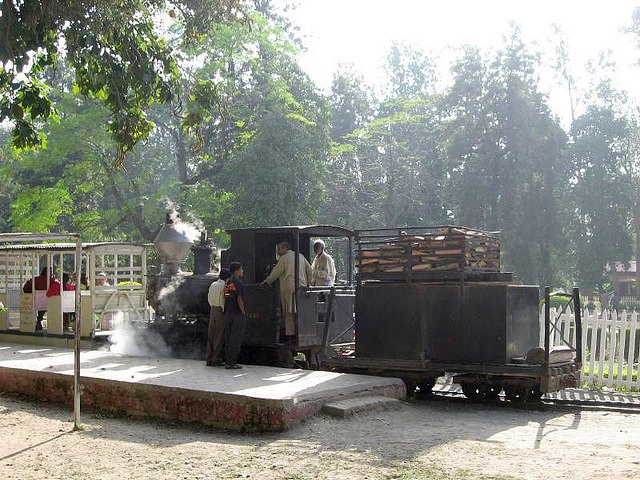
pixel 425 302
pixel 324 314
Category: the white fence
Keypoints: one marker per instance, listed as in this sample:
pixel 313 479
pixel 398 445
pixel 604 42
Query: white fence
pixel 610 346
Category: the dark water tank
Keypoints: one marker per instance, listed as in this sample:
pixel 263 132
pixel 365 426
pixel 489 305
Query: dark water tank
pixel 446 323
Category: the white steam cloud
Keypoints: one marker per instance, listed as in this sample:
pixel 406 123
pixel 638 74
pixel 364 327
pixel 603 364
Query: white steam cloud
pixel 190 228
pixel 128 339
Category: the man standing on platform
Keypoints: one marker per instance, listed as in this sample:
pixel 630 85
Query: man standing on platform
pixel 234 314
pixel 215 337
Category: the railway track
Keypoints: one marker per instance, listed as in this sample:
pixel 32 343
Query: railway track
pixel 569 398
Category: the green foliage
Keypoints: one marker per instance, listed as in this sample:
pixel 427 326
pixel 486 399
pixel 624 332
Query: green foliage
pixel 598 192
pixel 559 303
pixel 351 103
pixel 39 209
pixel 227 127
pixel 260 123
pixel 390 172
pixel 116 53
pixel 251 120
pixel 630 305
pixel 505 149
pixel 410 72
pixel 618 374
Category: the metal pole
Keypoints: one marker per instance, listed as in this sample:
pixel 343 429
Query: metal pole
pixel 547 323
pixel 577 315
pixel 350 261
pixel 327 317
pixel 296 283
pixel 76 352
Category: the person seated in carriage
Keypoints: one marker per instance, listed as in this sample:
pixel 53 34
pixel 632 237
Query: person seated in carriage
pixel 44 281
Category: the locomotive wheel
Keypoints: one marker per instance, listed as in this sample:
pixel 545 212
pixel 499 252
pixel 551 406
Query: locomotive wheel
pixel 491 391
pixel 411 387
pixel 472 391
pixel 522 394
pixel 514 393
pixel 534 393
pixel 425 388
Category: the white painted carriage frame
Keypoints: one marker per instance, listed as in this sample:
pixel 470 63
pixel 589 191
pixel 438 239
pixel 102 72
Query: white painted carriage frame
pixel 102 307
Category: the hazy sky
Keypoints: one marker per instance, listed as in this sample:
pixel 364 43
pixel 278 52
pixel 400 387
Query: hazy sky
pixel 361 31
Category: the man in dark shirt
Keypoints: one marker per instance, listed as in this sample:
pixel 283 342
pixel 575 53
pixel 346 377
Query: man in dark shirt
pixel 234 314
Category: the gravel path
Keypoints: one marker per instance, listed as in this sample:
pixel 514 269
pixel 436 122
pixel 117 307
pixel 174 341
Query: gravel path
pixel 421 440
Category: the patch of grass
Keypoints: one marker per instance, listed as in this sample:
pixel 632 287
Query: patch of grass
pixel 415 470
pixel 617 375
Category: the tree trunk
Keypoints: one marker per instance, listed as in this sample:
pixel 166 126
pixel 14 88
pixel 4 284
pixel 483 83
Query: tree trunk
pixel 636 227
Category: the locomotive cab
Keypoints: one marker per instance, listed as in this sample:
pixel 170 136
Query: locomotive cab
pixel 323 314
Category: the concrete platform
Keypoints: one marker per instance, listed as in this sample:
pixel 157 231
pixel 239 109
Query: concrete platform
pixel 351 406
pixel 255 398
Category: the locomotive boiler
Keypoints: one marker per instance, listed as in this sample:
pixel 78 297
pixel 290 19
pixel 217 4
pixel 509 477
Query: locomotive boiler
pixel 178 297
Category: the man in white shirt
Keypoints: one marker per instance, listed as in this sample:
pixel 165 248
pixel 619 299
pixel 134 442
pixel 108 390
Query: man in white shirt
pixel 284 271
pixel 323 266
pixel 215 337
pixel 101 280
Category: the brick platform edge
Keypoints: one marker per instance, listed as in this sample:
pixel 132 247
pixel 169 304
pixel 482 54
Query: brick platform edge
pixel 224 411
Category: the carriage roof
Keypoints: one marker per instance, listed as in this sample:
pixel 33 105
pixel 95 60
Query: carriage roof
pixel 313 230
pixel 96 247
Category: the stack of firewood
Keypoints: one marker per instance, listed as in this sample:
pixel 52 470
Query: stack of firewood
pixel 445 249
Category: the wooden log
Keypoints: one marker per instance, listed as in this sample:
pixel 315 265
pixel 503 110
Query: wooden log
pixel 448 266
pixel 393 269
pixel 421 267
pixel 367 261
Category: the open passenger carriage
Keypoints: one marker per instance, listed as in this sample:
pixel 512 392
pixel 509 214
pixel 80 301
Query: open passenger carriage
pixel 121 297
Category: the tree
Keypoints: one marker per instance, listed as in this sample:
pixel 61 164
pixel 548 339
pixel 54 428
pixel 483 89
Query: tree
pixel 70 186
pixel 410 71
pixel 563 70
pixel 470 144
pixel 352 108
pixel 600 192
pixel 284 136
pixel 114 49
pixel 252 120
pixel 505 147
pixel 390 172
pixel 532 143
pixel 632 165
pixel 351 103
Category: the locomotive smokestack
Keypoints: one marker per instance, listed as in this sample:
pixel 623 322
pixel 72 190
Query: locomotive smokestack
pixel 202 254
pixel 172 245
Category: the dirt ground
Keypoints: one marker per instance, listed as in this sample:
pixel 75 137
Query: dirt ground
pixel 424 439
